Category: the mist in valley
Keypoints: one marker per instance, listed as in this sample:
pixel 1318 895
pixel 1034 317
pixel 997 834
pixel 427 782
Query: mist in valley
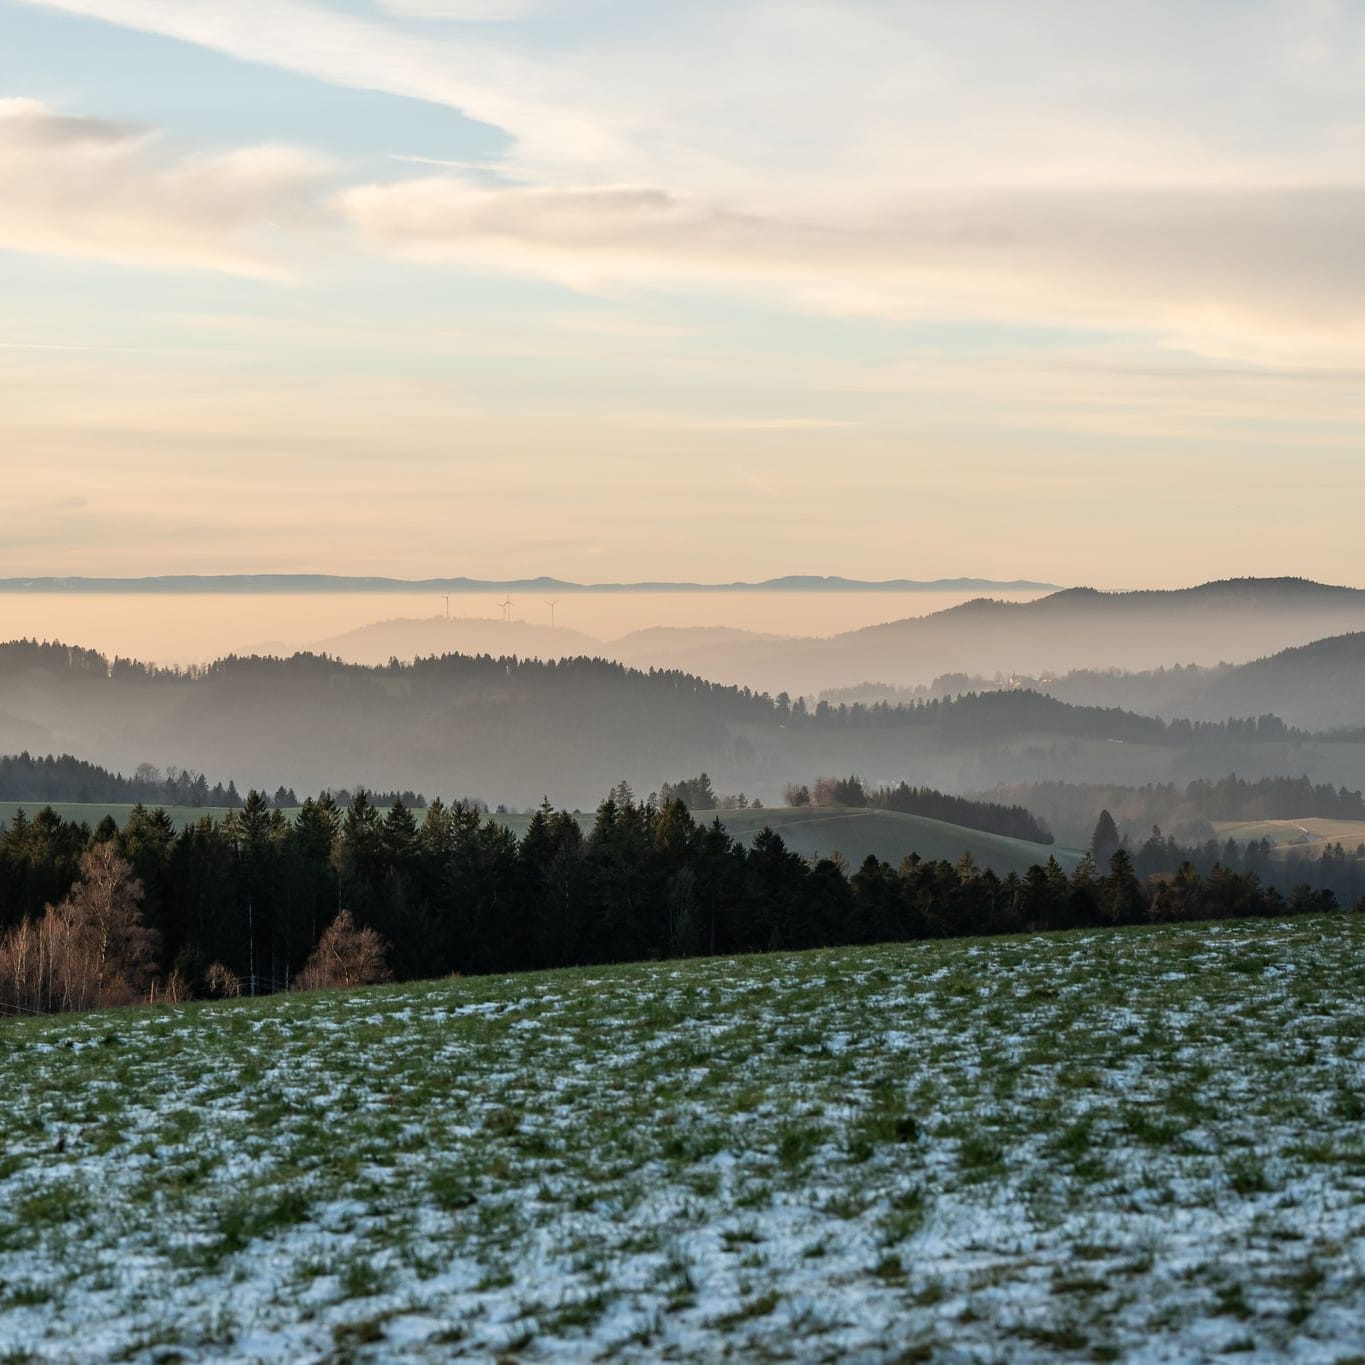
pixel 488 713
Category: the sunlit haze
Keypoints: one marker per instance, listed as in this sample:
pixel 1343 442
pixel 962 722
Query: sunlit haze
pixel 192 629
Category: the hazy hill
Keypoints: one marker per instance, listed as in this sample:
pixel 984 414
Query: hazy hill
pixel 506 729
pixel 1080 628
pixel 408 638
pixel 413 638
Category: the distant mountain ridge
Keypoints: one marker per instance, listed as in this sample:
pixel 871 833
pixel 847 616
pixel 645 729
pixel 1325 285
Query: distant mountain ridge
pixel 1077 629
pixel 1231 620
pixel 320 583
pixel 1247 594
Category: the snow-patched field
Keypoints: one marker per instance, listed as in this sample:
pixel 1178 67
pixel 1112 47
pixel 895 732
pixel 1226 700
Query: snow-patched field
pixel 1142 1144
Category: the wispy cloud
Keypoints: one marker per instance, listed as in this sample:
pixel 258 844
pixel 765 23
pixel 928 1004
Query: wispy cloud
pixel 802 95
pixel 80 186
pixel 1263 273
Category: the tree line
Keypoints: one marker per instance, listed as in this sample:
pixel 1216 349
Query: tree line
pixel 252 897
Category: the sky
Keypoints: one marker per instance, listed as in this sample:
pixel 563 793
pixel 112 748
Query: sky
pixel 1055 290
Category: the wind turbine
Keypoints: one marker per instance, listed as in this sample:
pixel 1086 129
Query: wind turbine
pixel 506 609
pixel 552 606
pixel 446 595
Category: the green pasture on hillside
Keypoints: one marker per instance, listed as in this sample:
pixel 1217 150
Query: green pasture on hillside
pixel 1296 837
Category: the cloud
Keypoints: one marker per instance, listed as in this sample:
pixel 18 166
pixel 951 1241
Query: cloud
pixel 802 95
pixel 87 187
pixel 993 161
pixel 1271 273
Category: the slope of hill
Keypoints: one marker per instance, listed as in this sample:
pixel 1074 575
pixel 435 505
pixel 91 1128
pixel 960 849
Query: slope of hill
pixel 892 836
pixel 827 1154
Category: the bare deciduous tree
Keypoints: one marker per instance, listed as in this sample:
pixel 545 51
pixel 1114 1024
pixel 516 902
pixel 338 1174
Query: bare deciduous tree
pixel 175 990
pixel 104 907
pixel 345 956
pixel 90 949
pixel 221 982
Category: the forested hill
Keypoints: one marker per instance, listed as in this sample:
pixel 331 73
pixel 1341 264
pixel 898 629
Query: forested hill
pixel 509 729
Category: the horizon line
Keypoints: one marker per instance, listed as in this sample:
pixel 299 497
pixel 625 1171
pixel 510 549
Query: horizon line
pixel 321 583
